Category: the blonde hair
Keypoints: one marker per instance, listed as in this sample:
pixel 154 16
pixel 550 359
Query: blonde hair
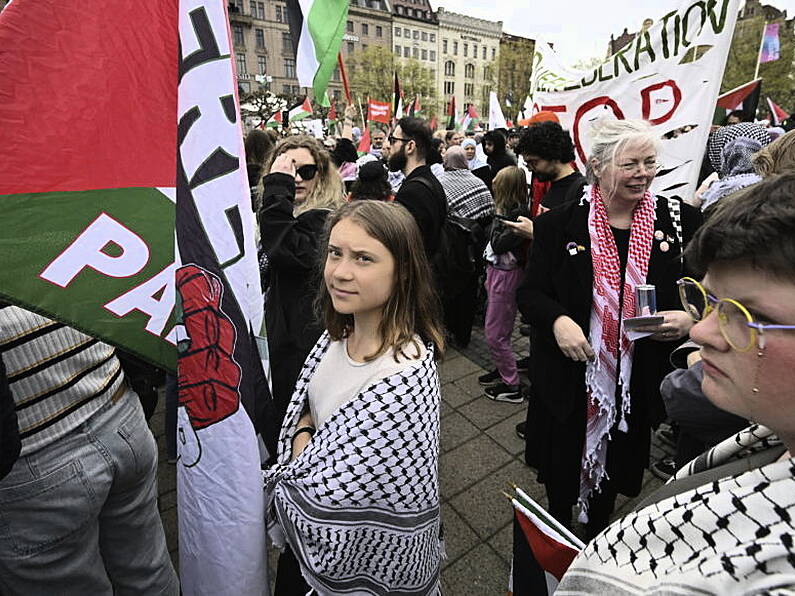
pixel 413 307
pixel 328 192
pixel 776 158
pixel 609 138
pixel 510 189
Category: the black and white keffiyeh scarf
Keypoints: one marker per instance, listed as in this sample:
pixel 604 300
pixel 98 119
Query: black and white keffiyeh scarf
pixel 360 506
pixel 735 535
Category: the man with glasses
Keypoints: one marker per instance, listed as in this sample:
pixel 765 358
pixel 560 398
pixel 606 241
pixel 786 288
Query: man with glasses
pixel 726 522
pixel 420 193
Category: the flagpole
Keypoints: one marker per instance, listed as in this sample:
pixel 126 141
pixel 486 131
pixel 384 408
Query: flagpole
pixel 344 75
pixel 759 54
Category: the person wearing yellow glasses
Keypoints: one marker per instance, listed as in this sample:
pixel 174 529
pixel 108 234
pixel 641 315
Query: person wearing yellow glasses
pixel 725 523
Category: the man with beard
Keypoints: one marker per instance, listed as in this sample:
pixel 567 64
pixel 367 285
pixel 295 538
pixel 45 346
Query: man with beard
pixel 421 193
pixel 548 152
pixel 377 142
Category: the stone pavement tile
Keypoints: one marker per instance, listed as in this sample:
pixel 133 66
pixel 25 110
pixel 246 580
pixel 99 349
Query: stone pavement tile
pixel 484 506
pixel 457 368
pixel 451 354
pixel 458 536
pixel 459 392
pixel 445 409
pixel 456 429
pixel 481 572
pixel 166 476
pixel 485 413
pixel 502 542
pixel 465 465
pixel 505 432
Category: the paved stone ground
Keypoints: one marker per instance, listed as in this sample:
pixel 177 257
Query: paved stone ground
pixel 480 455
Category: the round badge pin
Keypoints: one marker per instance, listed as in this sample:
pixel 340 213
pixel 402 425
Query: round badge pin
pixel 659 235
pixel 664 246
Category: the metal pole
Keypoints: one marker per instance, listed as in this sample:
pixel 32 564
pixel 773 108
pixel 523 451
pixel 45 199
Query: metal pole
pixel 759 54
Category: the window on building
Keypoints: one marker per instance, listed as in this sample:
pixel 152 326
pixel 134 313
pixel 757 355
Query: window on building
pixel 444 46
pixel 415 53
pixel 455 48
pixel 487 73
pixel 279 9
pixel 466 50
pixel 243 88
pixel 484 52
pixel 449 68
pixel 406 33
pixel 289 67
pixel 237 34
pixel 350 47
pixel 235 6
pixel 397 31
pixel 253 8
pixel 469 89
pixel 432 56
pixel 364 47
pixel 259 35
pixel 424 36
pixel 397 51
pixel 287 42
pixel 379 31
pixel 474 50
pixel 493 53
pixel 416 34
pixel 365 29
pixel 262 65
pixel 449 87
pixel 337 94
pixel 406 52
pixel 261 10
pixel 285 89
pixel 469 71
pixel 433 73
pixel 433 37
pixel 349 26
pixel 241 64
pixel 400 9
pixel 335 76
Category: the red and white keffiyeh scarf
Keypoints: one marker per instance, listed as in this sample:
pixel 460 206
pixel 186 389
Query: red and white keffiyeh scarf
pixel 608 337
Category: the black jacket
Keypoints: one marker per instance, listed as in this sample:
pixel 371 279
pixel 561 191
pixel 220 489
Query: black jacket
pixel 293 246
pixel 9 431
pixel 557 283
pixel 426 201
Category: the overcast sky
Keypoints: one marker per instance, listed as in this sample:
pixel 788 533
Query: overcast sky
pixel 580 29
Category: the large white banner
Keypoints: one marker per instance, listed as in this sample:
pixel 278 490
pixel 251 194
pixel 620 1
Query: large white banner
pixel 669 74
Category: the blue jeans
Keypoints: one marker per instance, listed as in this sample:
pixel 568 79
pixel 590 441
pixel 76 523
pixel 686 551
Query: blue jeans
pixel 80 515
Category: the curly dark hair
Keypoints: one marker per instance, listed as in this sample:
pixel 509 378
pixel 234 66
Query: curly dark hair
pixel 546 140
pixel 372 183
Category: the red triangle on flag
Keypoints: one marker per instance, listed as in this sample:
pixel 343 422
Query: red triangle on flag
pixel 364 142
pixel 307 105
pixel 778 113
pixel 731 100
pixel 553 556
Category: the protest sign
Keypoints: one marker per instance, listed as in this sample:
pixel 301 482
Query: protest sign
pixel 669 74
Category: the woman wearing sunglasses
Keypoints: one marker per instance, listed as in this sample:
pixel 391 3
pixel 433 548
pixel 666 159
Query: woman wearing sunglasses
pixel 596 392
pixel 299 192
pixel 725 524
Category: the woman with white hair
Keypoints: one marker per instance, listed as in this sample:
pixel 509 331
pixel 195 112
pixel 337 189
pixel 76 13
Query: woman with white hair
pixel 596 392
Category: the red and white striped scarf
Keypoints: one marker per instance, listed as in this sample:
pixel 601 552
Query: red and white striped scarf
pixel 608 337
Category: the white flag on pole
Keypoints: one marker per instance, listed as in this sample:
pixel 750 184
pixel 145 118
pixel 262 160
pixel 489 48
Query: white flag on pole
pixel 496 119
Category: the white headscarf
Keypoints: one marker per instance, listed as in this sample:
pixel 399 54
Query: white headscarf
pixel 476 162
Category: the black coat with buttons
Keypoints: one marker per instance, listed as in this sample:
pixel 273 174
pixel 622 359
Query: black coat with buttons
pixel 559 282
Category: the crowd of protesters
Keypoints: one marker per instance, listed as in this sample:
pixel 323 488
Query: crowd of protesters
pixel 371 264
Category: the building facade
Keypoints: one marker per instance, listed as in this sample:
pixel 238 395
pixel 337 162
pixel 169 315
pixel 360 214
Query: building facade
pixel 415 34
pixel 469 53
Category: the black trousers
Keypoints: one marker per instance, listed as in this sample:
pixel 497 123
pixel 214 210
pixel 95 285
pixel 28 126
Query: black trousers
pixel 289 581
pixel 600 508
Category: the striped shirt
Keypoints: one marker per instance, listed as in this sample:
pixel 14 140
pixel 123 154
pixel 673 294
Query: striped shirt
pixel 59 377
pixel 467 195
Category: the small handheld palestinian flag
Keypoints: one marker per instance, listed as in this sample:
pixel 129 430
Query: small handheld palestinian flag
pixel 364 142
pixel 470 118
pixel 451 114
pixel 301 110
pixel 275 121
pixel 543 548
pixel 397 105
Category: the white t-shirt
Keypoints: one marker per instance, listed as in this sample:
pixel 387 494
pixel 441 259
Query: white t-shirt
pixel 339 379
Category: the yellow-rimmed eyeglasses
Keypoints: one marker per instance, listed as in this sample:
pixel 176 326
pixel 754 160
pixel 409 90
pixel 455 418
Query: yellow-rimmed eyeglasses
pixel 736 324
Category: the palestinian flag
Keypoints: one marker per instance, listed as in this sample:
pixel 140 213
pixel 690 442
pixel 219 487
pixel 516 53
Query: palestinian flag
pixel 543 548
pixel 745 97
pixel 364 143
pixel 275 121
pixel 397 102
pixel 301 110
pixel 470 118
pixel 332 117
pixel 434 124
pixel 416 110
pixel 776 112
pixel 316 30
pixel 451 113
pixel 136 155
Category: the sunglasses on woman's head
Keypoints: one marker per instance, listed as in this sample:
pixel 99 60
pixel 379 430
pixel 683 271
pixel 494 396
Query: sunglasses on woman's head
pixel 307 172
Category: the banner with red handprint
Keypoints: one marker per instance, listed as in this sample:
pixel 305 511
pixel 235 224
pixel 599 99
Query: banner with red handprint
pixel 219 313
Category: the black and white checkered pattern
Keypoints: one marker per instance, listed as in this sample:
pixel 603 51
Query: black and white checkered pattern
pixel 467 195
pixel 675 209
pixel 731 536
pixel 360 506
